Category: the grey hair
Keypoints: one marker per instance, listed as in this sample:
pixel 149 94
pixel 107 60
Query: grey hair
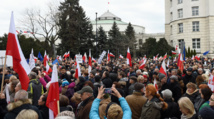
pixel 33 75
pixel 175 70
pixel 21 95
pixel 138 71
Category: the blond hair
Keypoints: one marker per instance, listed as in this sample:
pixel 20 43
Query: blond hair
pixel 27 114
pixel 115 112
pixel 191 85
pixel 12 78
pixel 205 77
pixel 139 78
pixel 186 103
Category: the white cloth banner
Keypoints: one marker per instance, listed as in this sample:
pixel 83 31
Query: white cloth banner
pixel 101 57
pixel 211 82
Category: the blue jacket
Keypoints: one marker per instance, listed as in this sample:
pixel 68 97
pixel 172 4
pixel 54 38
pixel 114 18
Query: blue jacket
pixel 94 113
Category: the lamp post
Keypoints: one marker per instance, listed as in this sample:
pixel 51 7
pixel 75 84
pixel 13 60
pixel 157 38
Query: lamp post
pixel 96 35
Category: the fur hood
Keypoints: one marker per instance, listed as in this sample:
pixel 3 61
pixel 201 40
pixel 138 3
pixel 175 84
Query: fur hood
pixel 18 103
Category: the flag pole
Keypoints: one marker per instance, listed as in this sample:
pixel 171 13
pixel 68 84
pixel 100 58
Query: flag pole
pixel 2 83
pixel 58 107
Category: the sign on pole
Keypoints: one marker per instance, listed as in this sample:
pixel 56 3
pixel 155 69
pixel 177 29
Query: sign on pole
pixel 101 57
pixel 79 58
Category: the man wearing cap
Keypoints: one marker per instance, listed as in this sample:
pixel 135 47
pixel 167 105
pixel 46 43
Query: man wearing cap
pixel 163 80
pixel 132 81
pixel 188 78
pixel 175 88
pixel 84 107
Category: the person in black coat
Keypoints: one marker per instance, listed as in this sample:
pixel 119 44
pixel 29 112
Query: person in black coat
pixel 175 88
pixel 21 102
pixel 80 84
pixel 188 78
pixel 42 106
pixel 3 105
pixel 106 80
pixel 173 109
pixel 163 80
pixel 97 85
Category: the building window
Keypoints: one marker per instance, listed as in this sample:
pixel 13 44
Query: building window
pixel 195 26
pixel 180 28
pixel 194 0
pixel 180 13
pixel 196 44
pixel 171 3
pixel 171 29
pixel 195 11
pixel 171 16
pixel 180 1
pixel 179 42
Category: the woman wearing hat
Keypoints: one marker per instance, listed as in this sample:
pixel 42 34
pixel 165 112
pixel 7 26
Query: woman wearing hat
pixel 154 104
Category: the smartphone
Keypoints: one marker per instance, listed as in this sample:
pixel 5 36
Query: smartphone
pixel 108 90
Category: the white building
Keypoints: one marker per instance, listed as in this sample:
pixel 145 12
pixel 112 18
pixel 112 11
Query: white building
pixel 191 21
pixel 107 19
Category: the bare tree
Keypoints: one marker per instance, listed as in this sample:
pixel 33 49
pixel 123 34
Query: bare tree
pixel 43 25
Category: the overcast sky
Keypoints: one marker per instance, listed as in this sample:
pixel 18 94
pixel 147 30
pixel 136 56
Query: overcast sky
pixel 147 13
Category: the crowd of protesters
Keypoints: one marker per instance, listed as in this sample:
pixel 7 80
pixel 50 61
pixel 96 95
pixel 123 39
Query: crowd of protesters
pixel 114 90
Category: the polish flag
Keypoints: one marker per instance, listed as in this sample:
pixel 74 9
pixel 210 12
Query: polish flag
pixel 143 64
pixel 121 57
pixel 163 68
pixel 155 85
pixel 94 60
pixel 174 53
pixel 111 55
pixel 197 57
pixel 53 95
pixel 129 59
pixel 32 60
pixel 75 63
pixel 144 57
pixel 156 57
pixel 68 54
pixel 20 65
pixel 78 71
pixel 108 56
pixel 167 63
pixel 59 58
pixel 48 57
pixel 35 58
pixel 176 47
pixel 65 55
pixel 160 58
pixel 193 57
pixel 180 63
pixel 45 59
pixel 48 69
pixel 165 56
pixel 175 59
pixel 84 58
pixel 89 62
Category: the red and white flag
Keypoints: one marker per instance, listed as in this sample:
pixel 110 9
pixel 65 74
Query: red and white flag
pixel 20 65
pixel 156 57
pixel 68 54
pixel 180 62
pixel 176 47
pixel 48 69
pixel 121 57
pixel 111 55
pixel 129 59
pixel 175 59
pixel 53 95
pixel 165 56
pixel 174 53
pixel 167 63
pixel 84 58
pixel 59 58
pixel 160 58
pixel 78 71
pixel 143 64
pixel 89 62
pixel 35 58
pixel 163 68
pixel 94 60
pixel 197 57
pixel 45 59
pixel 108 56
pixel 65 55
pixel 144 57
pixel 211 82
pixel 193 57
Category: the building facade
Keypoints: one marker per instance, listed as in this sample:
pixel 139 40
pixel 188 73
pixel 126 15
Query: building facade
pixel 107 19
pixel 191 21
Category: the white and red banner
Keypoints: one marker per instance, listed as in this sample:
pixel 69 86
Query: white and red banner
pixel 53 95
pixel 121 57
pixel 163 68
pixel 129 59
pixel 20 65
pixel 143 64
pixel 89 62
pixel 211 82
pixel 45 59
